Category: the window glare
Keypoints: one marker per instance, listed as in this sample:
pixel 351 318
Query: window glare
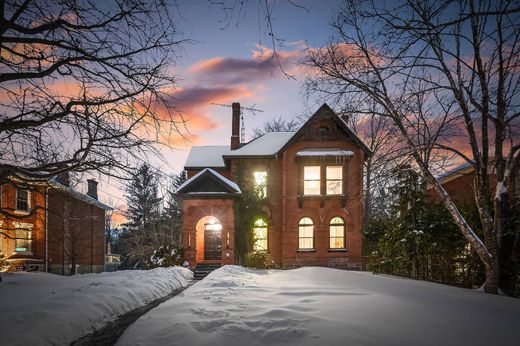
pixel 334 172
pixel 260 178
pixel 311 172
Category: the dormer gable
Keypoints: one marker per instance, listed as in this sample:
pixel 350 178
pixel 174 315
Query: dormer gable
pixel 326 125
pixel 208 183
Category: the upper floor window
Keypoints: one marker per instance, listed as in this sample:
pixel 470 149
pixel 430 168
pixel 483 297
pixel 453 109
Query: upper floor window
pixel 306 233
pixel 334 180
pixel 337 233
pixel 22 200
pixel 260 184
pixel 260 235
pixel 311 180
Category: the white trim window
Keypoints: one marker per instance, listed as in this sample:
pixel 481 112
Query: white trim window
pixel 337 233
pixel 23 200
pixel 311 180
pixel 334 180
pixel 23 237
pixel 306 234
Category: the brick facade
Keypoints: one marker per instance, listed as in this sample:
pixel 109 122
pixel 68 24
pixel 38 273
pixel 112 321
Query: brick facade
pixel 286 205
pixel 67 232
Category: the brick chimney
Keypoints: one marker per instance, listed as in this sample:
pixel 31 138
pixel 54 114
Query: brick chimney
pixel 92 188
pixel 63 178
pixel 235 126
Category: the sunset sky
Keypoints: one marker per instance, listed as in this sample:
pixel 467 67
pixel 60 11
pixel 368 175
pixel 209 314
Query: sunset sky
pixel 228 61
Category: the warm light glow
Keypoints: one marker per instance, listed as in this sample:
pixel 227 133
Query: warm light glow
pixel 260 235
pixel 311 177
pixel 213 227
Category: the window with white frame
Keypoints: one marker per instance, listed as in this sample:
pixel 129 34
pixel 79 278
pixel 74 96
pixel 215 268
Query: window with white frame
pixel 23 237
pixel 260 184
pixel 22 200
pixel 311 180
pixel 334 180
pixel 260 235
pixel 305 233
pixel 337 233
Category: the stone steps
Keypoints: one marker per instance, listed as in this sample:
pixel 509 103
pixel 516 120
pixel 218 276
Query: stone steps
pixel 202 270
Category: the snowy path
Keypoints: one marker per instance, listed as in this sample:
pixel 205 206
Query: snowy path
pixel 47 309
pixel 321 306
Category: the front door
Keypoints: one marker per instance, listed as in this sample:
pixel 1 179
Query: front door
pixel 212 241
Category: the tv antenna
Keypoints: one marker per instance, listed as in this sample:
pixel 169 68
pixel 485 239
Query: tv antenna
pixel 251 109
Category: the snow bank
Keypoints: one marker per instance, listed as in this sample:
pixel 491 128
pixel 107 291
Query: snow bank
pixel 322 306
pixel 47 309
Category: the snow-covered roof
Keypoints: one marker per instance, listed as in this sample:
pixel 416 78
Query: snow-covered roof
pixel 324 152
pixel 207 156
pixel 266 145
pixel 223 179
pixel 79 195
pixel 456 172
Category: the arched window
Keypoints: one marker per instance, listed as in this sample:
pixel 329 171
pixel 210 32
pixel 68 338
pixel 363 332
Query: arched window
pixel 260 234
pixel 306 233
pixel 337 233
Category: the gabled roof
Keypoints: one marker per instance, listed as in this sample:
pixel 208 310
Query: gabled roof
pixel 78 195
pixel 267 145
pixel 208 183
pixel 270 144
pixel 326 112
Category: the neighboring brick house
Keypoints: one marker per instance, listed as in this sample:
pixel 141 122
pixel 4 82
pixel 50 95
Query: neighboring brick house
pixel 312 183
pixel 56 228
pixel 459 183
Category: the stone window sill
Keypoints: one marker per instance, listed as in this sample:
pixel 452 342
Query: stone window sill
pixel 337 250
pixel 22 212
pixel 306 250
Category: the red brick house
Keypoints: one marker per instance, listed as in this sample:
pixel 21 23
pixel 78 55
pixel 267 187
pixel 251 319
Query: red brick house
pixel 459 183
pixel 311 180
pixel 53 228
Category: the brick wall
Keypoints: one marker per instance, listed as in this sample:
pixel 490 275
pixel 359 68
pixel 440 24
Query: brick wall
pixel 194 212
pixel 35 218
pixel 76 234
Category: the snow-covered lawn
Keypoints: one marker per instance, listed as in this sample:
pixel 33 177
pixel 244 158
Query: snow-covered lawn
pixel 320 306
pixel 47 309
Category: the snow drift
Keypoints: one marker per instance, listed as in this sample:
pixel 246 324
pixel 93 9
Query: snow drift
pixel 322 306
pixel 47 309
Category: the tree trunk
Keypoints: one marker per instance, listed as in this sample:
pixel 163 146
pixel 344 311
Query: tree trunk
pixel 492 277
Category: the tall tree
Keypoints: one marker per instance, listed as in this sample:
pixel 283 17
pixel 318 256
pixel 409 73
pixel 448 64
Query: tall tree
pixel 173 210
pixel 440 71
pixel 143 232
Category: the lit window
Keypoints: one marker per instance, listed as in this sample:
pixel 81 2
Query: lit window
pixel 260 234
pixel 311 180
pixel 306 233
pixel 23 239
pixel 334 180
pixel 337 233
pixel 261 184
pixel 22 200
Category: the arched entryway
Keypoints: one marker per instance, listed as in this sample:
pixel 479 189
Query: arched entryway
pixel 209 239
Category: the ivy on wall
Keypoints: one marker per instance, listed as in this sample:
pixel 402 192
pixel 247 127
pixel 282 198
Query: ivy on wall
pixel 247 210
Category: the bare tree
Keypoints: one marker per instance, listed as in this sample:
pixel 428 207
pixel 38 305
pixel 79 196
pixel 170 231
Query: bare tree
pixel 277 125
pixel 84 84
pixel 441 72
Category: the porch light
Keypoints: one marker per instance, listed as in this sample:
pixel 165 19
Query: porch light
pixel 213 227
